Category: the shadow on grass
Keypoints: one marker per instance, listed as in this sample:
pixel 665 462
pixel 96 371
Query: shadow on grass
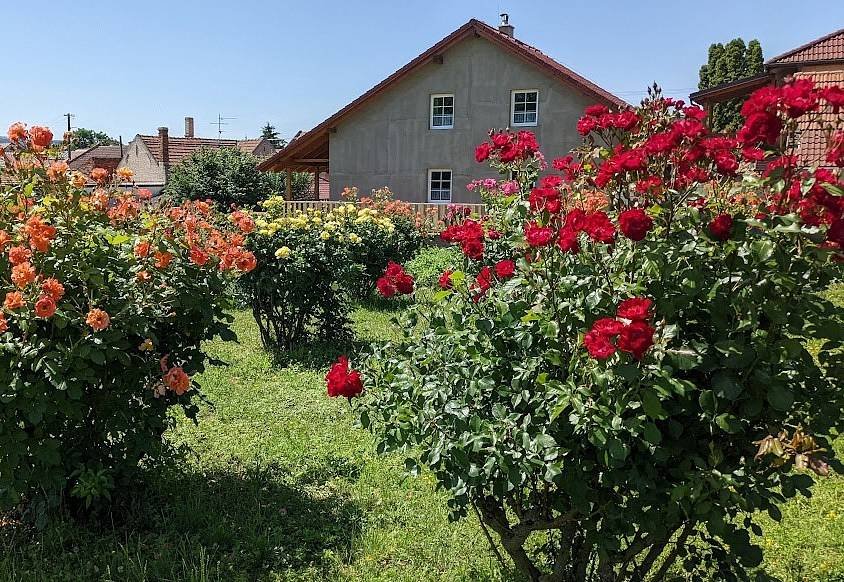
pixel 231 523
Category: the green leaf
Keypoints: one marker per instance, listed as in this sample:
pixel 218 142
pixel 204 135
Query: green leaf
pixel 726 386
pixel 652 405
pixel 728 423
pixel 780 397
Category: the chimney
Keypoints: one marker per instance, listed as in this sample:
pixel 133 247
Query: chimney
pixel 505 25
pixel 188 126
pixel 164 138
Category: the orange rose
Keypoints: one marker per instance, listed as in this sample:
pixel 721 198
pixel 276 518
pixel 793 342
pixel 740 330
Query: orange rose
pixel 17 132
pixel 142 249
pixel 245 261
pixel 99 175
pixel 41 136
pixel 162 259
pixel 177 380
pixel 77 179
pixel 23 275
pixel 4 325
pixel 144 194
pixel 19 254
pixel 57 171
pixel 53 288
pixel 45 307
pixel 125 173
pixel 14 300
pixel 198 256
pixel 5 239
pixel 98 319
pixel 143 276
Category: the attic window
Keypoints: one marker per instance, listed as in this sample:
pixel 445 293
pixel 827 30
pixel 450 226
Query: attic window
pixel 442 111
pixel 524 107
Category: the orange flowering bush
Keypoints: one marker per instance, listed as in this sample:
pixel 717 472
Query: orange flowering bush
pixel 106 298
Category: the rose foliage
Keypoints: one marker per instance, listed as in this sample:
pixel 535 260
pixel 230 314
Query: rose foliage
pixel 634 384
pixel 106 300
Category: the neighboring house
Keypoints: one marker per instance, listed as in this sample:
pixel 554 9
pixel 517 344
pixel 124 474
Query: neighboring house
pixel 417 130
pixel 821 60
pixel 101 156
pixel 151 157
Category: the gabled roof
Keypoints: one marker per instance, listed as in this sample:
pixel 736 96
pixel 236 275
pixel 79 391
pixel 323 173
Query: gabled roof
pixel 101 156
pixel 813 143
pixel 182 147
pixel 313 145
pixel 827 48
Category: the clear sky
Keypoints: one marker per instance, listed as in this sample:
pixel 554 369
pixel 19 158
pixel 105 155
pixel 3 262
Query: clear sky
pixel 130 67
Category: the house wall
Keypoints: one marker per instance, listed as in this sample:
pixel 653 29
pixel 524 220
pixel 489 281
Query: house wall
pixel 147 170
pixel 263 149
pixel 389 142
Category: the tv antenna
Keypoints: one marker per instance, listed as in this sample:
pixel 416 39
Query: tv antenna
pixel 221 121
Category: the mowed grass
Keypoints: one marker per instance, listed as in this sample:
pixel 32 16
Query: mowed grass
pixel 280 485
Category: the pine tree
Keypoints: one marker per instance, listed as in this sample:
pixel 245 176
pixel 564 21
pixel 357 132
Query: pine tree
pixel 269 132
pixel 726 63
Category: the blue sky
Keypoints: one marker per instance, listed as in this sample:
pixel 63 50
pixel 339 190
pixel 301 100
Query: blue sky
pixel 130 67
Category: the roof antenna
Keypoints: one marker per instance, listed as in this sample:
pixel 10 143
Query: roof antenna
pixel 221 121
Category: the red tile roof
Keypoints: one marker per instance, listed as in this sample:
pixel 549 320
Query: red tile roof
pixel 827 48
pixel 102 156
pixel 314 144
pixel 813 138
pixel 182 147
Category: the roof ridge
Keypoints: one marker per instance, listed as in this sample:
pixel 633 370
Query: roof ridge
pixel 804 46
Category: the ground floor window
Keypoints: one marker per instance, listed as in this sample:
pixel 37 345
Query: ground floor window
pixel 439 185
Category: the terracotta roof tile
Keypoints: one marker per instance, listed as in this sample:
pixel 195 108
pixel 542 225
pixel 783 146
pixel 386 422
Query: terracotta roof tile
pixel 182 147
pixel 826 48
pixel 813 139
pixel 107 157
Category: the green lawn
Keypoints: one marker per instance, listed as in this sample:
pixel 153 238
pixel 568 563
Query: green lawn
pixel 281 486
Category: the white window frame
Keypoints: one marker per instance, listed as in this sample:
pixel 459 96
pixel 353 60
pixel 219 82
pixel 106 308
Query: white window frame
pixel 431 111
pixel 450 185
pixel 513 108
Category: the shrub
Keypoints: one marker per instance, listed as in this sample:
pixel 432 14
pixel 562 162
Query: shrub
pixel 633 384
pixel 429 263
pixel 107 299
pixel 309 266
pixel 227 176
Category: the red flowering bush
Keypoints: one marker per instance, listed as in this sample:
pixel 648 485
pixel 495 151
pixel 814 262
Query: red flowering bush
pixel 394 281
pixel 106 300
pixel 633 384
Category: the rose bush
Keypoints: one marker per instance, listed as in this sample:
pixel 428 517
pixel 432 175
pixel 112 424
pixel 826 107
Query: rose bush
pixel 106 300
pixel 310 265
pixel 618 379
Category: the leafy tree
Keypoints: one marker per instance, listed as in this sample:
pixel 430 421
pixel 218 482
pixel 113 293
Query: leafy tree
pixel 226 175
pixel 727 63
pixel 269 132
pixel 87 138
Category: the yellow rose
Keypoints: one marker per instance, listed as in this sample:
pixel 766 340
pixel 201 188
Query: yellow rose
pixel 282 253
pixel 325 235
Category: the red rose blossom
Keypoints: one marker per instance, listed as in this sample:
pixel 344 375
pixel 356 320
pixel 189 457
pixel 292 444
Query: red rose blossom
pixel 445 280
pixel 505 269
pixel 598 345
pixel 538 236
pixel 636 338
pixel 636 308
pixel 567 241
pixel 342 381
pixel 635 223
pixel 482 152
pixel 721 226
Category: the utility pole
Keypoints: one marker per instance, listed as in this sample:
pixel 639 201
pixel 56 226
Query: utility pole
pixel 69 135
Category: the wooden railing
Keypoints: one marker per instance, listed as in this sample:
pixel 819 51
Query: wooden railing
pixel 438 211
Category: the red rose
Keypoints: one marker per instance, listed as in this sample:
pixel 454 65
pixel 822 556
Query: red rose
pixel 505 269
pixel 385 287
pixel 608 326
pixel 596 110
pixel 41 136
pixel 473 248
pixel 404 284
pixel 576 220
pixel 538 236
pixel 445 280
pixel 598 345
pixel 599 227
pixel 586 125
pixel 721 226
pixel 501 139
pixel 636 338
pixel 482 152
pixel 395 280
pixel 635 223
pixel 636 308
pixel 835 233
pixel 567 241
pixel 483 282
pixel 342 381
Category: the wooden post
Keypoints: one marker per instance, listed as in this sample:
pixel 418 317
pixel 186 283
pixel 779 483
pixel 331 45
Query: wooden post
pixel 288 185
pixel 316 183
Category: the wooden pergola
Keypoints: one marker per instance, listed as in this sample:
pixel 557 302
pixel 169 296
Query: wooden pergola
pixel 307 153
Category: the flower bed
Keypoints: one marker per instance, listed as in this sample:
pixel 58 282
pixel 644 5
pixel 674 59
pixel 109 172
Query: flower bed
pixel 620 367
pixel 106 300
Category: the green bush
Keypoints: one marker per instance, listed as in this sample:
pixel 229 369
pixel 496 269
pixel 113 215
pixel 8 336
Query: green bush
pixel 632 389
pixel 430 262
pixel 107 300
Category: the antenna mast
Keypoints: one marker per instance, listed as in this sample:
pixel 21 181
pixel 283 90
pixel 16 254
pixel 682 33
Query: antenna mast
pixel 221 121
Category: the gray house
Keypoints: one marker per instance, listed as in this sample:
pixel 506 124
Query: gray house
pixel 416 131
